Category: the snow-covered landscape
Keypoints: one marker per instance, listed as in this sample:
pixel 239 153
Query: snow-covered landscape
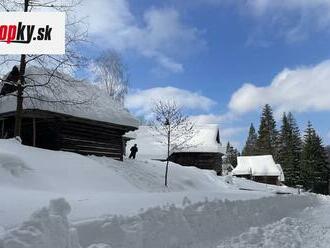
pixel 164 124
pixel 59 199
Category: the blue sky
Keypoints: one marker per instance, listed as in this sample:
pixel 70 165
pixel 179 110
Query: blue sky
pixel 222 59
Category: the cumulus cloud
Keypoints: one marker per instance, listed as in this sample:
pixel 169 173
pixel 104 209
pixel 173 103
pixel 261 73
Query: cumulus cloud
pixel 232 131
pixel 263 6
pixel 141 101
pixel 213 118
pixel 288 20
pixel 207 118
pixel 291 20
pixel 158 34
pixel 302 89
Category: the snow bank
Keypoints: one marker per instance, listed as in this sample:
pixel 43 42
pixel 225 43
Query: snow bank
pixel 13 165
pixel 98 186
pixel 198 225
pixel 286 233
pixel 55 171
pixel 47 228
pixel 30 177
pixel 148 176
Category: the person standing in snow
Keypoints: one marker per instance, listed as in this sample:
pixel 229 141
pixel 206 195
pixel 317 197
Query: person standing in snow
pixel 133 150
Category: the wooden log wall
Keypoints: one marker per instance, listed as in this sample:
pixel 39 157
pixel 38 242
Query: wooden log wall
pixel 88 139
pixel 60 132
pixel 210 161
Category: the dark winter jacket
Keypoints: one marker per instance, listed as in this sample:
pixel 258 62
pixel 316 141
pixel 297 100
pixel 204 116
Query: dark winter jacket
pixel 134 149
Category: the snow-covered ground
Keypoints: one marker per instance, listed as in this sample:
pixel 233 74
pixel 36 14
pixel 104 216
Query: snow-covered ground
pixel 309 228
pixel 125 204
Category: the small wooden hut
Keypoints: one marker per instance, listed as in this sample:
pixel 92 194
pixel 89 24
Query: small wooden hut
pixel 262 169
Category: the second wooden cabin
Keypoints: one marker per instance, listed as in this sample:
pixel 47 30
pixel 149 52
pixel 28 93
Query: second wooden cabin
pixel 262 169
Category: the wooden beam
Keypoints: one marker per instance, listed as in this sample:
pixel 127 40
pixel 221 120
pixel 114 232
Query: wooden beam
pixel 2 128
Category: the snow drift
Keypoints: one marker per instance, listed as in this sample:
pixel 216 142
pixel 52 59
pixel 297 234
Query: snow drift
pixel 96 186
pixel 46 228
pixel 198 225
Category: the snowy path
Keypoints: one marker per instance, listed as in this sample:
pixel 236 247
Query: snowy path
pixel 291 221
pixel 309 229
pixel 106 198
pixel 206 224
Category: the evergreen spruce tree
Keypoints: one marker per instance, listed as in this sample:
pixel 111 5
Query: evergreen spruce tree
pixel 314 162
pixel 231 155
pixel 290 150
pixel 267 142
pixel 308 158
pixel 251 142
pixel 321 172
pixel 296 148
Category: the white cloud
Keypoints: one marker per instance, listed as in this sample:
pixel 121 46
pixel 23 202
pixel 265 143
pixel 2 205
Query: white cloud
pixel 141 101
pixel 288 20
pixel 213 118
pixel 302 89
pixel 263 6
pixel 232 131
pixel 159 34
pixel 292 20
pixel 207 118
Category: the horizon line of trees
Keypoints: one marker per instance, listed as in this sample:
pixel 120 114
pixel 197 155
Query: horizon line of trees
pixel 303 158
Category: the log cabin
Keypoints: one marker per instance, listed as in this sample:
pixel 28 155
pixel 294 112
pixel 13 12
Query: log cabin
pixel 204 150
pixel 262 169
pixel 94 126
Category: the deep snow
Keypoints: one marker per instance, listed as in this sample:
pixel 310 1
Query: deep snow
pixel 30 177
pixel 119 204
pixel 309 228
pixel 201 225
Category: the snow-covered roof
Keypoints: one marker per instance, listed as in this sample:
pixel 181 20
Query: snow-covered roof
pixel 150 145
pixel 85 99
pixel 206 139
pixel 263 165
pixel 281 177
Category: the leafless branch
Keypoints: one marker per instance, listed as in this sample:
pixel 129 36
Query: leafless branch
pixel 111 75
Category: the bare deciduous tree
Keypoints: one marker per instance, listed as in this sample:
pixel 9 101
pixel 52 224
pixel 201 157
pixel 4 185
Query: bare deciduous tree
pixel 54 67
pixel 172 127
pixel 111 75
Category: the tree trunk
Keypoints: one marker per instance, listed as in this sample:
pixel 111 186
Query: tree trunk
pixel 20 83
pixel 168 155
pixel 19 107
